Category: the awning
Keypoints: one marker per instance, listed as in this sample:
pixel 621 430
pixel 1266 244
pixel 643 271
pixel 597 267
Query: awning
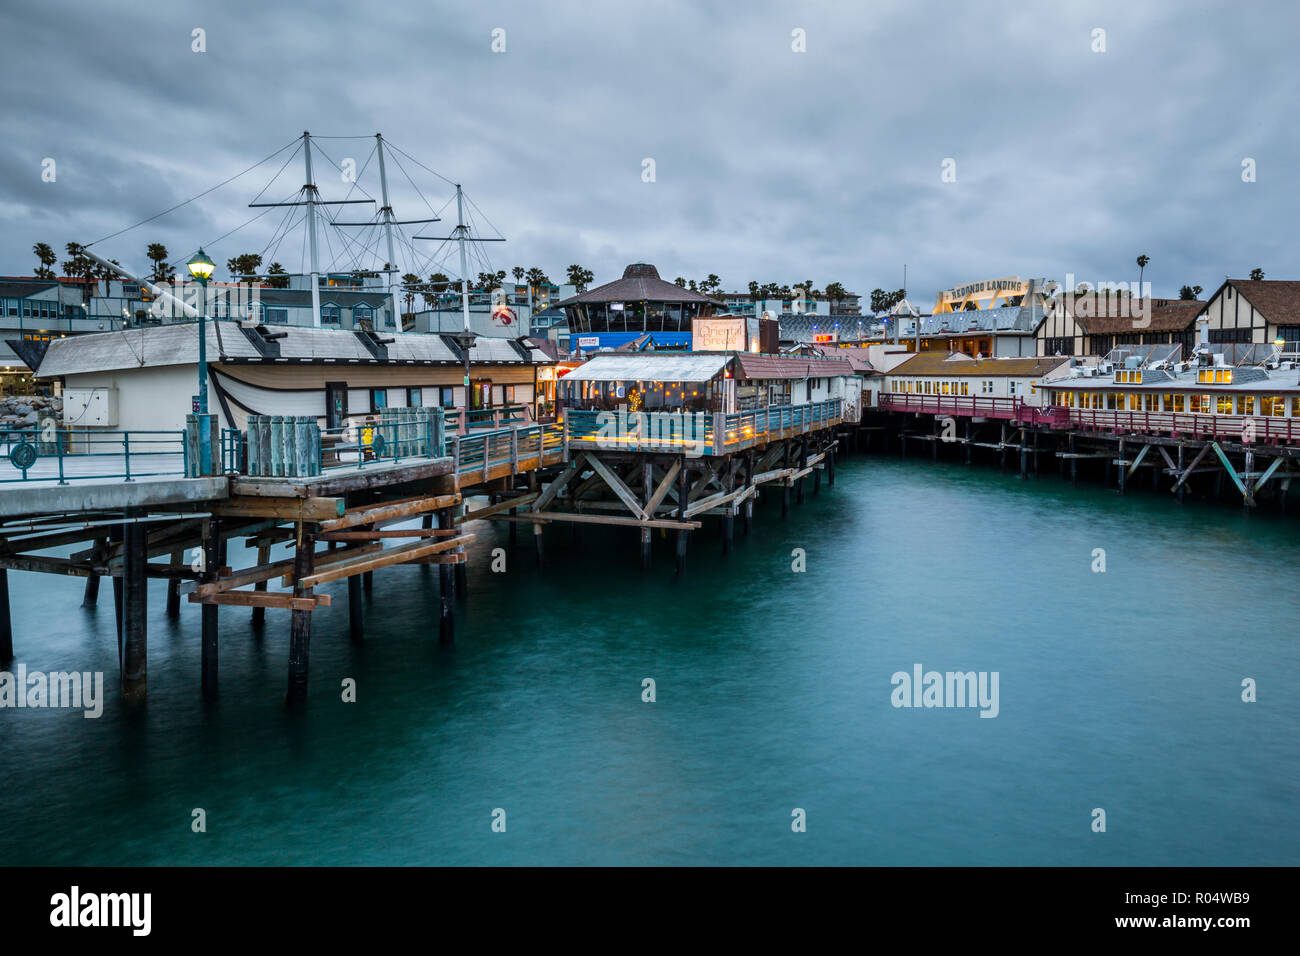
pixel 649 367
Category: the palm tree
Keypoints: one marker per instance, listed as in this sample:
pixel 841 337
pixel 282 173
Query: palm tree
pixel 518 273
pixel 409 281
pixel 579 277
pixel 47 258
pixel 79 267
pixel 1142 261
pixel 157 254
pixel 1257 274
pixel 276 277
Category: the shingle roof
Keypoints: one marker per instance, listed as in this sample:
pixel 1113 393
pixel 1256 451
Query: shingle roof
pixel 790 366
pixel 1167 315
pixel 954 363
pixel 1277 299
pixel 640 283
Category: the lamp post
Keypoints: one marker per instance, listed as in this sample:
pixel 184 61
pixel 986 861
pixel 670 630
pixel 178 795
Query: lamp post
pixel 201 268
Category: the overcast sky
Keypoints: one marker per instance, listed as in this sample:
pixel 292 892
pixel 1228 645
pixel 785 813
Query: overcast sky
pixel 769 164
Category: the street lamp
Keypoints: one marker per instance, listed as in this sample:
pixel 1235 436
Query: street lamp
pixel 201 268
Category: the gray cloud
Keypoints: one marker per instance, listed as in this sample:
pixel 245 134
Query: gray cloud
pixel 770 165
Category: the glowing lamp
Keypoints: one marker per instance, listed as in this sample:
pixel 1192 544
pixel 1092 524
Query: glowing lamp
pixel 201 267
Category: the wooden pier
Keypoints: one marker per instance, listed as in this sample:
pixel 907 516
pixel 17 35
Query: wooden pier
pixel 370 512
pixel 1119 447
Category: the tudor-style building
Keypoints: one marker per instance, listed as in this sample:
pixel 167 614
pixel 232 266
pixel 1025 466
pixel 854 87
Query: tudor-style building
pixel 1256 311
pixel 1091 324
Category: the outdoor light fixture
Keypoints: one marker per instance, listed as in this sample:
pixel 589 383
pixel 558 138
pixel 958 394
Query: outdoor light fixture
pixel 201 267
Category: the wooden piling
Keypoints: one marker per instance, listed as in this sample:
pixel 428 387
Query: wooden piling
pixel 263 557
pixel 830 467
pixel 90 597
pixel 6 623
pixel 356 620
pixel 135 596
pixel 209 612
pixel 300 622
pixel 446 599
pixel 174 587
pixel 115 536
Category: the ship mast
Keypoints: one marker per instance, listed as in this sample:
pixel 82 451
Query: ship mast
pixel 310 190
pixel 386 212
pixel 466 336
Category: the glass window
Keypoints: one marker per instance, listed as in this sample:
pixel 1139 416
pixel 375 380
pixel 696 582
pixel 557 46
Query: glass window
pixel 414 397
pixel 277 316
pixel 1177 405
pixel 1151 401
pixel 378 399
pixel 1245 404
pixel 1223 405
pixel 362 314
pixel 1199 404
pixel 448 396
pixel 330 314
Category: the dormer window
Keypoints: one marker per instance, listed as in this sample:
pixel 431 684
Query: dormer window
pixel 1214 376
pixel 330 314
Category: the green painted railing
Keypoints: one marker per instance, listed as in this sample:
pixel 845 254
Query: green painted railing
pixel 90 454
pixel 703 433
pixel 483 452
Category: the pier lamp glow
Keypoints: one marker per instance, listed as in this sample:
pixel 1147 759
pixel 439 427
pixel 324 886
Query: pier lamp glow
pixel 201 267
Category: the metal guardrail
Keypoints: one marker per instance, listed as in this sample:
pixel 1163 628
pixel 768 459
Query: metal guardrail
pixel 707 433
pixel 1244 428
pixel 487 451
pixel 1006 408
pixel 89 455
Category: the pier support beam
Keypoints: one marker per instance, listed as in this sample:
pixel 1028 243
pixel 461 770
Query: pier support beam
pixel 462 569
pixel 208 612
pixel 830 467
pixel 645 549
pixel 1123 469
pixel 91 595
pixel 135 616
pixel 356 615
pixel 115 536
pixel 174 587
pixel 748 523
pixel 6 623
pixel 263 557
pixel 304 561
pixel 446 606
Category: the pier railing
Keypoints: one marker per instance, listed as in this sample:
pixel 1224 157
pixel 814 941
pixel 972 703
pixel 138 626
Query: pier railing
pixel 1247 428
pixel 505 451
pixel 497 417
pixel 701 433
pixel 1010 409
pixel 64 455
